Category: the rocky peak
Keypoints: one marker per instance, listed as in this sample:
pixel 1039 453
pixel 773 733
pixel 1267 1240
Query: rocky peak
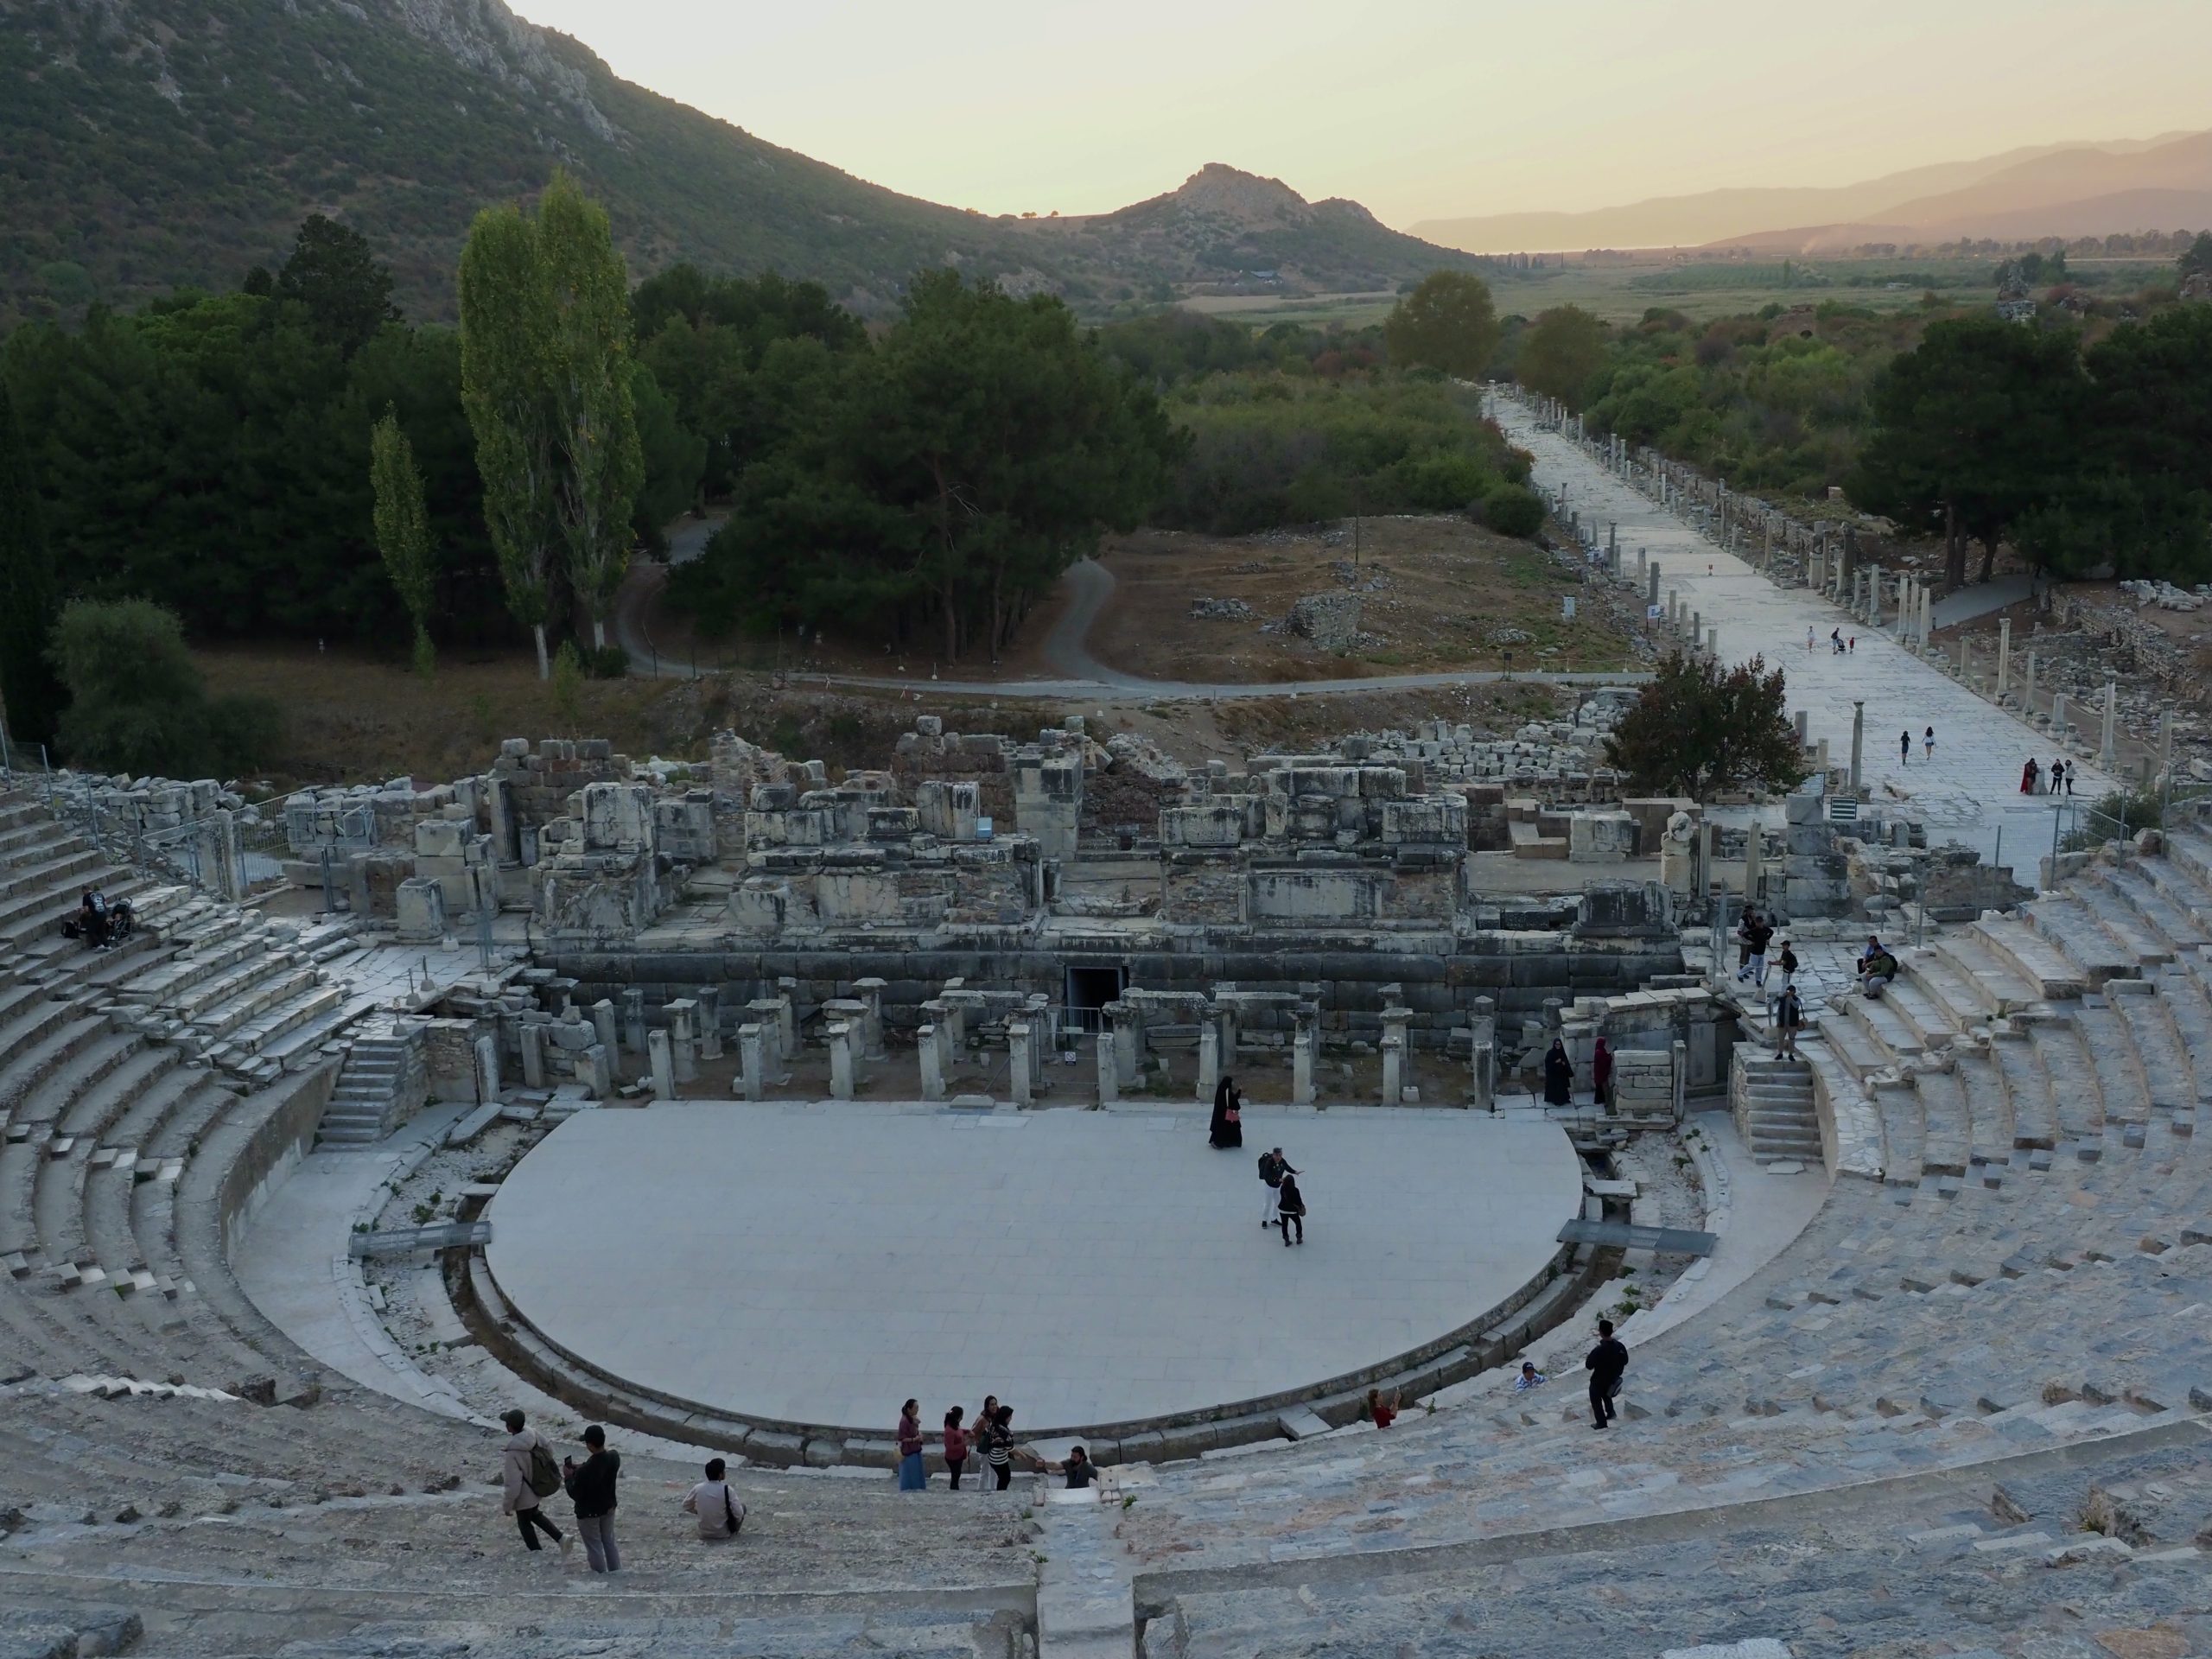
pixel 489 39
pixel 1244 198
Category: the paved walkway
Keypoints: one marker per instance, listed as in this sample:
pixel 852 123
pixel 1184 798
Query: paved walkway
pixel 1969 792
pixel 820 1262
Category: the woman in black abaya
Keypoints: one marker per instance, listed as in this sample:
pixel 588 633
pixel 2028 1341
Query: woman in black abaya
pixel 1228 1129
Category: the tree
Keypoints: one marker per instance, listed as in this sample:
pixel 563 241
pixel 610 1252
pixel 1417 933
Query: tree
pixel 506 352
pixel 1561 350
pixel 31 694
pixel 334 273
pixel 1698 727
pixel 1974 428
pixel 673 458
pixel 2196 259
pixel 137 703
pixel 1514 510
pixel 587 372
pixel 947 477
pixel 1447 323
pixel 402 524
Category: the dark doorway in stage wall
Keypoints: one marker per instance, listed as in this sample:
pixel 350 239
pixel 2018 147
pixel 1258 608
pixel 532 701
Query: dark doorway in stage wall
pixel 1089 991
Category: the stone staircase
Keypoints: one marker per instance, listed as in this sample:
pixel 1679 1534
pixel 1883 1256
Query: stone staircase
pixel 1775 1110
pixel 382 1083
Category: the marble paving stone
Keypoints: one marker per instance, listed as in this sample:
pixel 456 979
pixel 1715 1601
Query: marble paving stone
pixel 822 1265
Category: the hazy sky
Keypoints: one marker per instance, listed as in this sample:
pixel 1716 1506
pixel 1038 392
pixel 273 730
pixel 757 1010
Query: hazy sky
pixel 1418 108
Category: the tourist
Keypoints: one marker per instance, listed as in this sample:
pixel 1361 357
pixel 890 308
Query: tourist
pixel 527 1465
pixel 591 1488
pixel 2063 770
pixel 998 1445
pixel 1081 1472
pixel 1930 742
pixel 1744 929
pixel 1530 1377
pixel 2029 776
pixel 1854 644
pixel 2058 775
pixel 1601 1073
pixel 1290 1206
pixel 1877 967
pixel 721 1516
pixel 912 1477
pixel 1607 1364
pixel 979 1435
pixel 1559 1076
pixel 1787 962
pixel 1809 636
pixel 1905 747
pixel 1835 638
pixel 1762 934
pixel 1228 1127
pixel 955 1445
pixel 1273 1167
pixel 1384 1412
pixel 1789 1015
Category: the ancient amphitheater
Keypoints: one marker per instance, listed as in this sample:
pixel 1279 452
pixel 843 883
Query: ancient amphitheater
pixel 1959 1412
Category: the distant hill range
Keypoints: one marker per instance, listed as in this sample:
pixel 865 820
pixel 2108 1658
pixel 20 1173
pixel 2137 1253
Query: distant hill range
pixel 2064 190
pixel 150 143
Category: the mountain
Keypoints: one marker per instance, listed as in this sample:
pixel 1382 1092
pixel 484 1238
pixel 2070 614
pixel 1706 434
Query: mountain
pixel 150 143
pixel 1934 204
pixel 1223 227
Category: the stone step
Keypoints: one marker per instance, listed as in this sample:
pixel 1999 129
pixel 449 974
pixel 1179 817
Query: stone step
pixel 2018 948
pixel 2096 893
pixel 1852 1046
pixel 2027 1092
pixel 2164 1066
pixel 2075 1095
pixel 1960 1003
pixel 2150 904
pixel 1885 1029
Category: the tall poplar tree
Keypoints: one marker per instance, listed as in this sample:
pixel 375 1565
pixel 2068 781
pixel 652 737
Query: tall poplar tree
pixel 587 382
pixel 403 526
pixel 507 335
pixel 28 686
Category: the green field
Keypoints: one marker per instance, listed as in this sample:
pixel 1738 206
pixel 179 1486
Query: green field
pixel 1705 290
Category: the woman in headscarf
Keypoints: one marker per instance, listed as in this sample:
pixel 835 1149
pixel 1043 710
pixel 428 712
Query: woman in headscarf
pixel 1559 1076
pixel 2028 774
pixel 1228 1128
pixel 1601 1070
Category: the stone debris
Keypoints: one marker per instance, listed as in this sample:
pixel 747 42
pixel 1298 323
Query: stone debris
pixel 1228 610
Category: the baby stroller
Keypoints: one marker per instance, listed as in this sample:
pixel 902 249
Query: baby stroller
pixel 99 922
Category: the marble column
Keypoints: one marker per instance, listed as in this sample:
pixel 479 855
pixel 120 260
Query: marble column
pixel 1018 1037
pixel 753 1056
pixel 840 1059
pixel 663 1068
pixel 709 1001
pixel 932 1063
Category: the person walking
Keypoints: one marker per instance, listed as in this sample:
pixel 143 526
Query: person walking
pixel 1226 1129
pixel 912 1477
pixel 1809 636
pixel 1384 1412
pixel 1607 1364
pixel 998 1445
pixel 1290 1208
pixel 955 1445
pixel 1789 1015
pixel 1905 747
pixel 1929 743
pixel 1761 936
pixel 1601 1073
pixel 591 1488
pixel 1273 1167
pixel 1559 1076
pixel 529 1474
pixel 721 1516
pixel 1744 926
pixel 1835 638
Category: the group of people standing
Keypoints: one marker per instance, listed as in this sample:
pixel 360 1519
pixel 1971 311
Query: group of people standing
pixel 1559 1073
pixel 2058 780
pixel 529 1476
pixel 1281 1204
pixel 991 1438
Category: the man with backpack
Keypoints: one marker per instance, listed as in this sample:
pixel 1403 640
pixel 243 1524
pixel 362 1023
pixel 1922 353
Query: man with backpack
pixel 1273 1167
pixel 531 1474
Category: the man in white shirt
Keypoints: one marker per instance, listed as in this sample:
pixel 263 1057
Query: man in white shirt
pixel 720 1514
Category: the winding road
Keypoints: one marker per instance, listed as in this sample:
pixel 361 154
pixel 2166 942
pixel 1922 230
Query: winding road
pixel 1080 675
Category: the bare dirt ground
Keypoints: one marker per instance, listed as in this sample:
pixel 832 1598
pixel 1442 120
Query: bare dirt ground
pixel 354 719
pixel 1435 593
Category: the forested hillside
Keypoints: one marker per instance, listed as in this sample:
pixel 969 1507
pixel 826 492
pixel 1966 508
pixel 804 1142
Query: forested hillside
pixel 150 144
